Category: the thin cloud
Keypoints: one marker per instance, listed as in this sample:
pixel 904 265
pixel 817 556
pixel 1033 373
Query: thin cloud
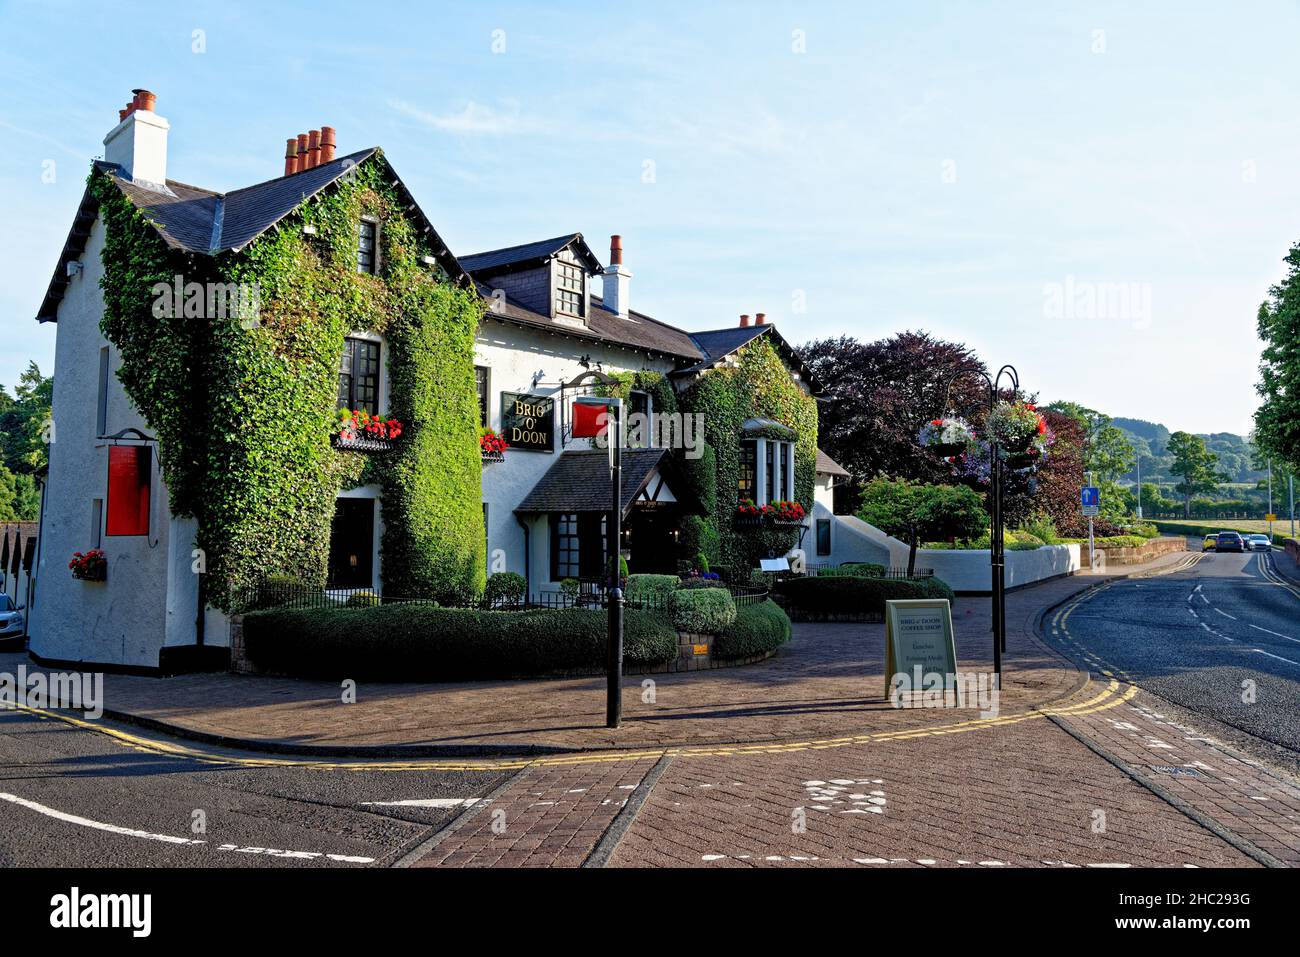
pixel 475 119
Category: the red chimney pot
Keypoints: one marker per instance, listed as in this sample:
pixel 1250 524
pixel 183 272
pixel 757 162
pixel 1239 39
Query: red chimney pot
pixel 291 156
pixel 760 319
pixel 616 250
pixel 744 319
pixel 144 100
pixel 313 149
pixel 327 144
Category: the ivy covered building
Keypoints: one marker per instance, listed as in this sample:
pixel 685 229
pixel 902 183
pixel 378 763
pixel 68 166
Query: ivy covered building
pixel 294 379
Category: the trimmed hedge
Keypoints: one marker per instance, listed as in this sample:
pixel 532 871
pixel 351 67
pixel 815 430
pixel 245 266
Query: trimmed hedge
pixel 853 569
pixel 704 611
pixel 845 594
pixel 425 643
pixel 651 587
pixel 757 630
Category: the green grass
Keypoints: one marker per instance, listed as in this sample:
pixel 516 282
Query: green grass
pixel 1209 526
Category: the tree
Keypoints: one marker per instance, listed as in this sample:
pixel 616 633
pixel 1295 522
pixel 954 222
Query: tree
pixel 23 441
pixel 917 513
pixel 1277 420
pixel 881 393
pixel 1107 450
pixel 1196 465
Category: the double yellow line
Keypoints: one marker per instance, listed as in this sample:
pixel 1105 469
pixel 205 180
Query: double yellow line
pixel 1110 697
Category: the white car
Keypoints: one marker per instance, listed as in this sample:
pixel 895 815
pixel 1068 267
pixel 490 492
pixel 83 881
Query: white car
pixel 11 619
pixel 1258 543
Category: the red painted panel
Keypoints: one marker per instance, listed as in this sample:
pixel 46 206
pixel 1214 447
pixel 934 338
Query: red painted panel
pixel 128 490
pixel 587 421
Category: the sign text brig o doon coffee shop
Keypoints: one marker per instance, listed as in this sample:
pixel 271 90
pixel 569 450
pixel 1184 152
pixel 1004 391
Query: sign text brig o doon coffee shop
pixel 528 421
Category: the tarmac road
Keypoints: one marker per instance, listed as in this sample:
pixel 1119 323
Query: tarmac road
pixel 71 797
pixel 1220 639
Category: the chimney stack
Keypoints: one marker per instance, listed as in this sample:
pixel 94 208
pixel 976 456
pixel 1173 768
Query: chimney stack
pixel 138 144
pixel 744 319
pixel 760 319
pixel 617 280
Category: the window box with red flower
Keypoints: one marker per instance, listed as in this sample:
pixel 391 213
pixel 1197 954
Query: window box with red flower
pixel 359 431
pixel 783 514
pixel 89 566
pixel 786 513
pixel 493 446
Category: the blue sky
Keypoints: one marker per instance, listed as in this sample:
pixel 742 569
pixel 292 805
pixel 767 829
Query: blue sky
pixel 852 169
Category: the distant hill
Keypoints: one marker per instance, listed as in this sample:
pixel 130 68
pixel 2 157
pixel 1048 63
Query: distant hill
pixel 1151 440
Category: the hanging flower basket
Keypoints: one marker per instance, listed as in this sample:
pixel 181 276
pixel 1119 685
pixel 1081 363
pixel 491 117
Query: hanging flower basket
pixel 359 431
pixel 492 446
pixel 947 437
pixel 91 566
pixel 1015 426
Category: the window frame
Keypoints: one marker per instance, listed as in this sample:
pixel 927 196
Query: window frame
pixel 559 286
pixel 747 471
pixel 565 539
pixel 823 525
pixel 483 386
pixel 373 223
pixel 349 354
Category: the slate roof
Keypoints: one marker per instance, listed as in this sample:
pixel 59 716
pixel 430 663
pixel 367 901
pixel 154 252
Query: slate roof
pixel 201 221
pixel 720 342
pixel 579 481
pixel 638 330
pixel 495 260
pixel 828 466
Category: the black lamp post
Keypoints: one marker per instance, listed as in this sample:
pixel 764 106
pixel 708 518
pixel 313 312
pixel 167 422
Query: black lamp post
pixel 997 476
pixel 614 595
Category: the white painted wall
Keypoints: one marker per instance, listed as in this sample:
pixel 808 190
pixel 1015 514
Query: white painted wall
pixel 126 619
pixel 513 355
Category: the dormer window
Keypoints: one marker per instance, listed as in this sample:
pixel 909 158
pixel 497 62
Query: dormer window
pixel 569 289
pixel 367 235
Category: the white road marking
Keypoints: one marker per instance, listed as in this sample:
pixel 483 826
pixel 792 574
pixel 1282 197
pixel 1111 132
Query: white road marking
pixel 425 802
pixel 1225 614
pixel 1276 634
pixel 170 838
pixel 96 825
pixel 1278 657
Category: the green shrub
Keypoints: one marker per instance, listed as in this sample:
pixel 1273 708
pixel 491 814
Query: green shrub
pixel 757 629
pixel 1043 528
pixel 403 642
pixel 702 562
pixel 570 587
pixel 363 599
pixel 705 611
pixel 847 594
pixel 853 569
pixel 286 591
pixel 505 588
pixel 693 583
pixel 651 588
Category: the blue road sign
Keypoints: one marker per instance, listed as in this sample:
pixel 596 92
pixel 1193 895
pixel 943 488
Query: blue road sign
pixel 1090 496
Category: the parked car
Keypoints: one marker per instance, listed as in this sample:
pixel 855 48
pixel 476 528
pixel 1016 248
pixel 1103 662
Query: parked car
pixel 1229 542
pixel 1210 542
pixel 11 619
pixel 1259 543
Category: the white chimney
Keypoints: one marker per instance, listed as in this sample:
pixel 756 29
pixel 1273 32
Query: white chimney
pixel 138 143
pixel 617 280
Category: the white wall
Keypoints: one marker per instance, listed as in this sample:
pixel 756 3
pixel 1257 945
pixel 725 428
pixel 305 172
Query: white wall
pixel 513 355
pixel 128 618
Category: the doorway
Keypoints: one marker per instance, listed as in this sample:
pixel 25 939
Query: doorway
pixel 352 544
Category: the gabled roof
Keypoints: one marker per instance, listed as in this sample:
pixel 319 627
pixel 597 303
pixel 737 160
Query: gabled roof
pixel 828 466
pixel 200 221
pixel 530 254
pixel 636 331
pixel 579 481
pixel 717 344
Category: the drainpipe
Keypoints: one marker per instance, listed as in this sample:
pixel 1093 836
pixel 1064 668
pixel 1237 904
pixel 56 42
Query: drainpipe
pixel 36 562
pixel 527 554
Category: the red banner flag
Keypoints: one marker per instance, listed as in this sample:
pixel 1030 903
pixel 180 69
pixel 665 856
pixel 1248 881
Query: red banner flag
pixel 589 421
